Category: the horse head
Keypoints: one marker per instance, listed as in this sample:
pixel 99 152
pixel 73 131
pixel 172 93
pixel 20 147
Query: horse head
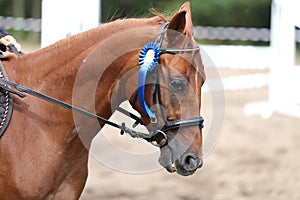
pixel 169 98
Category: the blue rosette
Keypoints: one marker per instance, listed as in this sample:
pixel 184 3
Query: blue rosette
pixel 148 60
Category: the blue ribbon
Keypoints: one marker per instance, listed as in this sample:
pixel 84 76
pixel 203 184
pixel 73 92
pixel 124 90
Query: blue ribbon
pixel 148 60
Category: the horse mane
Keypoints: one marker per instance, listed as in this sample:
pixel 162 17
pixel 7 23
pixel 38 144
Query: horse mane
pixel 159 14
pixel 96 35
pixel 112 26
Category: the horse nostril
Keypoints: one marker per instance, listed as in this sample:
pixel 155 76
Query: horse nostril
pixel 189 162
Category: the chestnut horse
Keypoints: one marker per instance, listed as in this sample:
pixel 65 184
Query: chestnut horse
pixel 42 154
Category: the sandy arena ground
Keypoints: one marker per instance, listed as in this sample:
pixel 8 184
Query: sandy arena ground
pixel 255 158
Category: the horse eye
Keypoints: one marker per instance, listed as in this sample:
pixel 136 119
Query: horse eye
pixel 177 84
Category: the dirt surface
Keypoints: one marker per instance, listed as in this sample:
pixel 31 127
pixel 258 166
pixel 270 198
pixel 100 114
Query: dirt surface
pixel 255 158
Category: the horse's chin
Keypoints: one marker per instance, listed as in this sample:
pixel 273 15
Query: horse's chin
pixel 166 159
pixel 171 164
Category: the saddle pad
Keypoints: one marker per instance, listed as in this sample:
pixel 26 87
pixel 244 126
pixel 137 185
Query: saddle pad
pixel 6 104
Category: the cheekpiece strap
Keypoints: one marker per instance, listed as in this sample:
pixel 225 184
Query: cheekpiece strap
pixel 148 60
pixel 159 39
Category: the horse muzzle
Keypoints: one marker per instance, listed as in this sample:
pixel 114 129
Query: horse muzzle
pixel 188 164
pixel 185 166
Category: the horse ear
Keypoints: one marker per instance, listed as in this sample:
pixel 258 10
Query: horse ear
pixel 182 20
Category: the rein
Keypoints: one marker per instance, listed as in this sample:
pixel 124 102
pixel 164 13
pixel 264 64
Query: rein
pixel 22 89
pixel 148 62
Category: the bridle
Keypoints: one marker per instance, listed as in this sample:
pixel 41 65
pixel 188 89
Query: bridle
pixel 151 64
pixel 158 131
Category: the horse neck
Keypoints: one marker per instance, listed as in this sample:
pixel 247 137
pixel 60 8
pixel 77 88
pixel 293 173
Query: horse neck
pixel 53 70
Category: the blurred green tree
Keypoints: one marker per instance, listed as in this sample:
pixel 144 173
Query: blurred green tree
pixel 246 13
pixel 25 9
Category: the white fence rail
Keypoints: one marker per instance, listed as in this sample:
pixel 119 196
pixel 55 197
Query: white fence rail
pixel 238 56
pixel 28 24
pixel 232 33
pixel 236 33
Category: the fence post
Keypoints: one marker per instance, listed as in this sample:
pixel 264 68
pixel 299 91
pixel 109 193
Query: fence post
pixel 284 79
pixel 283 49
pixel 62 18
